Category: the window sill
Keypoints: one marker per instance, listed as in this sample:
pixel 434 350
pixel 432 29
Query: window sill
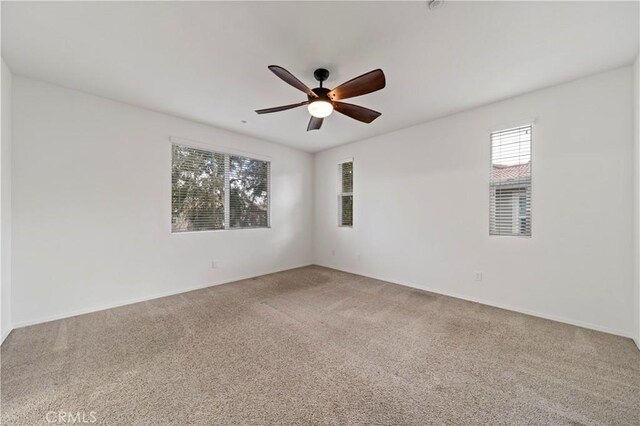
pixel 219 230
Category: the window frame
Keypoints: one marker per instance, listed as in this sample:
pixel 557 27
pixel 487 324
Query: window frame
pixel 226 152
pixel 531 123
pixel 341 194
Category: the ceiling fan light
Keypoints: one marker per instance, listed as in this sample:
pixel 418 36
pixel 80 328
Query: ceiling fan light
pixel 320 109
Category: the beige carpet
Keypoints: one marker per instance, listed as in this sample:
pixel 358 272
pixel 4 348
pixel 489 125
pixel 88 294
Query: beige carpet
pixel 317 346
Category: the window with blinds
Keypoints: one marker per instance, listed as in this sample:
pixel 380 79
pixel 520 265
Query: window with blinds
pixel 211 190
pixel 248 192
pixel 510 182
pixel 345 195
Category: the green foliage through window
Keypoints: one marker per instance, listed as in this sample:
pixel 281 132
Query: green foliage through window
pixel 203 183
pixel 347 210
pixel 347 177
pixel 249 189
pixel 197 196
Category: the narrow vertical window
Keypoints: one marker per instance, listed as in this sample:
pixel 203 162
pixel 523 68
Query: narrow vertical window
pixel 345 195
pixel 510 182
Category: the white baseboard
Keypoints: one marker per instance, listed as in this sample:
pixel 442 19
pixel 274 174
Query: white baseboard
pixel 394 281
pixel 41 320
pixel 494 304
pixel 5 334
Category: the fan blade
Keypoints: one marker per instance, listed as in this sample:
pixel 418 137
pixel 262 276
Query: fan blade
pixel 280 108
pixel 290 79
pixel 366 83
pixel 315 123
pixel 356 112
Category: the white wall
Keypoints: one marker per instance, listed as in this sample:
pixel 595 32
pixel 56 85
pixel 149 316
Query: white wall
pixel 636 198
pixel 421 203
pixel 91 207
pixel 5 204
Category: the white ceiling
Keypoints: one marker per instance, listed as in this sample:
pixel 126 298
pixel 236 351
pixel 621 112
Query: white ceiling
pixel 208 61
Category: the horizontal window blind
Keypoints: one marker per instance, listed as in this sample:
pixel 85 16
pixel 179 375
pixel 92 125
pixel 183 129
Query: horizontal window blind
pixel 510 182
pixel 211 190
pixel 249 192
pixel 345 196
pixel 198 185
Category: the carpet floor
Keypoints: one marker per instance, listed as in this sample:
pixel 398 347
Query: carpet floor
pixel 317 346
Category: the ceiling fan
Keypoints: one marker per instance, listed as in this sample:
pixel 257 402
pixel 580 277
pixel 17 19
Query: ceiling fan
pixel 322 101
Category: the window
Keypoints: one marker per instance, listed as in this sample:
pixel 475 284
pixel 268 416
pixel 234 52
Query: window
pixel 211 190
pixel 197 190
pixel 248 192
pixel 345 196
pixel 510 182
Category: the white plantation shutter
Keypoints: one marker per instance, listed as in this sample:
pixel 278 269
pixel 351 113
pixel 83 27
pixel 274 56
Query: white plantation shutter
pixel 510 182
pixel 212 190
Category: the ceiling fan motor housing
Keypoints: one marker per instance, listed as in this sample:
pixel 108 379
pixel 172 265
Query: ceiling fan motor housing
pixel 323 95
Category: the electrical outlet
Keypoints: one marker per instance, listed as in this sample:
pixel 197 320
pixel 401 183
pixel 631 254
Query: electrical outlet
pixel 333 252
pixel 478 275
pixel 358 256
pixel 214 264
